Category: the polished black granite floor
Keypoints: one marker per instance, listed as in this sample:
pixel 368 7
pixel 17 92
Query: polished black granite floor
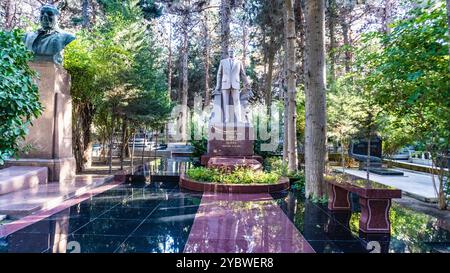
pixel 157 217
pixel 152 217
pixel 330 232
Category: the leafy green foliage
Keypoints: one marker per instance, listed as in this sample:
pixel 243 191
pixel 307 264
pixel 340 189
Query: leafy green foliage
pixel 19 96
pixel 276 165
pixel 409 74
pixel 117 72
pixel 344 109
pixel 198 143
pixel 412 77
pixel 238 176
pixel 149 8
pixel 199 146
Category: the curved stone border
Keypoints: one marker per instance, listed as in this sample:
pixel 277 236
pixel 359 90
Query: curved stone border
pixel 186 183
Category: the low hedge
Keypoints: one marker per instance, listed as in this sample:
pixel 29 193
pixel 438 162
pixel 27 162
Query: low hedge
pixel 238 176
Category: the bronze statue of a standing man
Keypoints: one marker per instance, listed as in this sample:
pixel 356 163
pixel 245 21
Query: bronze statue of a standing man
pixel 48 42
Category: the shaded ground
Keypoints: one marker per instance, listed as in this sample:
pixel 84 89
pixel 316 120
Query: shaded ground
pixel 424 207
pixel 102 167
pixel 159 217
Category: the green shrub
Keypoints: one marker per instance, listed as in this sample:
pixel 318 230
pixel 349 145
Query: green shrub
pixel 199 147
pixel 19 96
pixel 276 164
pixel 298 179
pixel 238 176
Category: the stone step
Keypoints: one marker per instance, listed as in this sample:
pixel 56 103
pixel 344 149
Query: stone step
pixel 46 196
pixel 17 178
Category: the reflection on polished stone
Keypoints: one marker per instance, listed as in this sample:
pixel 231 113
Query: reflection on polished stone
pixel 39 237
pixel 161 218
pixel 241 223
pixel 326 231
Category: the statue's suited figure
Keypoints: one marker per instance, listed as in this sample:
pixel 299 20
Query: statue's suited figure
pixel 228 81
pixel 48 42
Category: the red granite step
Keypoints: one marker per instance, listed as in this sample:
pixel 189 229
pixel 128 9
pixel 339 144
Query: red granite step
pixel 17 178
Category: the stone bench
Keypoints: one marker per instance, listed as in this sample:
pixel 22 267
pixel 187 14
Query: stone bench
pixel 21 177
pixel 374 199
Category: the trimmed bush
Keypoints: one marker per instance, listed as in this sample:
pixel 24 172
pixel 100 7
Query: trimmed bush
pixel 238 176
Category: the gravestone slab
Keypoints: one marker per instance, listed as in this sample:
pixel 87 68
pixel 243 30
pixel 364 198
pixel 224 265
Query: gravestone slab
pixel 384 171
pixel 230 140
pixel 360 147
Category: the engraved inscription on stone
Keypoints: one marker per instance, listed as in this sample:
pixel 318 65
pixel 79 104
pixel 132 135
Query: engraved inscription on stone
pixel 231 144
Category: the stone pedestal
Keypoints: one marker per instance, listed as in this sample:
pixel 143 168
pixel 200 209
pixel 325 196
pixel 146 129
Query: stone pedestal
pixel 231 144
pixel 50 136
pixel 231 139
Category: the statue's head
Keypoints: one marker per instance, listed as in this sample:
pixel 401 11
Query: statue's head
pixel 231 53
pixel 49 17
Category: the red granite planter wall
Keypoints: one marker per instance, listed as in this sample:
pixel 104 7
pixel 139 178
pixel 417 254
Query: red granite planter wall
pixel 193 185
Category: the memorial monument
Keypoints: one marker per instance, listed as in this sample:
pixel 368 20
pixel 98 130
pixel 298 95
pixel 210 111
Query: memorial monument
pixel 50 136
pixel 358 151
pixel 230 134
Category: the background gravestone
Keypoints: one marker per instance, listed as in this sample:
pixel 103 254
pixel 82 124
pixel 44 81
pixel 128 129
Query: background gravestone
pixel 360 147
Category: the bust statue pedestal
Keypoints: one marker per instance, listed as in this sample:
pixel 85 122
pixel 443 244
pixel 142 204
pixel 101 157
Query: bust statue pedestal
pixel 231 145
pixel 50 136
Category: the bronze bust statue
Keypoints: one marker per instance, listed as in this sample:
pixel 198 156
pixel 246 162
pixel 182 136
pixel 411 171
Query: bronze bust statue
pixel 48 42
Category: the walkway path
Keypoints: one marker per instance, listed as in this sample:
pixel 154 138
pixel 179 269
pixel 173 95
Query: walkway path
pixel 244 223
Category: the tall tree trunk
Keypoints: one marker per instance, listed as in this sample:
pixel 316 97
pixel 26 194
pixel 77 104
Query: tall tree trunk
pixel 386 17
pixel 94 13
pixel 206 60
pixel 300 41
pixel 269 75
pixel 291 72
pixel 285 89
pixel 132 153
pixel 184 92
pixel 83 116
pixel 127 140
pixel 244 43
pixel 124 142
pixel 342 156
pixel 347 54
pixel 331 27
pixel 85 6
pixel 111 145
pixel 315 130
pixel 224 13
pixel 286 128
pixel 143 147
pixel 10 14
pixel 368 159
pixel 169 64
pixel 448 26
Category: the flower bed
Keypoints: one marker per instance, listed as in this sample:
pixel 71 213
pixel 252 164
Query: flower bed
pixel 238 176
pixel 238 181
